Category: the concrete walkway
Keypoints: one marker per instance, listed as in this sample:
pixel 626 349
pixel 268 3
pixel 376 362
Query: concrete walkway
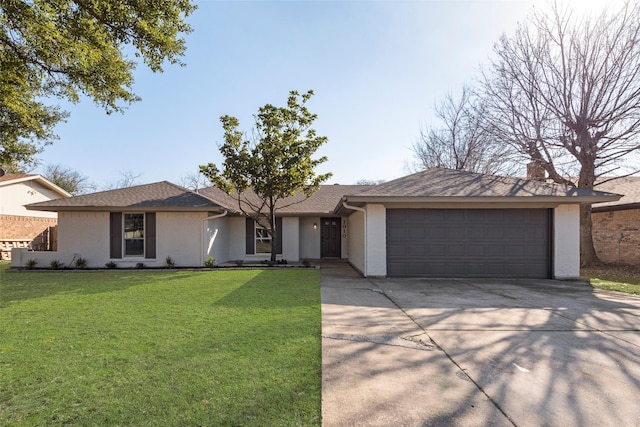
pixel 456 352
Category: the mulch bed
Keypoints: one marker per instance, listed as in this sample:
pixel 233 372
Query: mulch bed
pixel 611 270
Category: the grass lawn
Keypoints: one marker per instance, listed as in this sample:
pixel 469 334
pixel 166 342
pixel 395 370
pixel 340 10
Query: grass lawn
pixel 614 278
pixel 180 348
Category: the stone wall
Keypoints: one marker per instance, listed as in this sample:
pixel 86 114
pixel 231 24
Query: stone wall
pixel 616 236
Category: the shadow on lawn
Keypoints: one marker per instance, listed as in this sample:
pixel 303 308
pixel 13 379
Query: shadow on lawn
pixel 276 315
pixel 275 289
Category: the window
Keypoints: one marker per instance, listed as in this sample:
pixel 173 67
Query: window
pixel 263 240
pixel 133 234
pixel 137 232
pixel 258 239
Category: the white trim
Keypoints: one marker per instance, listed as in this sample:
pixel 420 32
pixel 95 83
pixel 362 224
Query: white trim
pixel 40 179
pixel 364 211
pixel 202 250
pixel 484 199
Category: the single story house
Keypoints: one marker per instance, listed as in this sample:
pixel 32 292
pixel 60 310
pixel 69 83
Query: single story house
pixel 20 227
pixel 435 223
pixel 616 224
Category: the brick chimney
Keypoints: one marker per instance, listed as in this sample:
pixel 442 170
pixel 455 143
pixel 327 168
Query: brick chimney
pixel 536 171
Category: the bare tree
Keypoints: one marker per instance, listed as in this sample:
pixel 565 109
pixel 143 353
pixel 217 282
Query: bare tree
pixel 365 181
pixel 565 92
pixel 68 179
pixel 461 142
pixel 194 181
pixel 127 179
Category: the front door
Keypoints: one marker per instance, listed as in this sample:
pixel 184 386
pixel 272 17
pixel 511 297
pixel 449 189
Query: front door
pixel 330 236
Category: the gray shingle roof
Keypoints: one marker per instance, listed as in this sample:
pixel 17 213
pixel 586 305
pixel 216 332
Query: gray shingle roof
pixel 429 185
pixel 629 187
pixel 160 195
pixel 322 202
pixel 438 182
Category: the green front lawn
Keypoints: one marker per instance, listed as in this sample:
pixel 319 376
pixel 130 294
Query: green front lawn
pixel 180 348
pixel 614 278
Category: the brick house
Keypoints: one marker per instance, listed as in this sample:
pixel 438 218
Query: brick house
pixel 616 225
pixel 20 227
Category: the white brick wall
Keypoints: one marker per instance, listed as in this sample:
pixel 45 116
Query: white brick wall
pixel 376 240
pixel 566 242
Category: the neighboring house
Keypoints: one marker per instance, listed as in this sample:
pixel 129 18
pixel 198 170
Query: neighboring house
pixel 436 223
pixel 616 224
pixel 20 227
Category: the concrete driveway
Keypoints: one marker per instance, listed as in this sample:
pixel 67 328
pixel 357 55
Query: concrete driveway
pixel 430 352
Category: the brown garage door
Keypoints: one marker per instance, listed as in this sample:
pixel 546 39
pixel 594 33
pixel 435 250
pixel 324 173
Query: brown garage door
pixel 468 243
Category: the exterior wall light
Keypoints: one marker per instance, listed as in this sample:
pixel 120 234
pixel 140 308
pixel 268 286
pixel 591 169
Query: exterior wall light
pixel 315 226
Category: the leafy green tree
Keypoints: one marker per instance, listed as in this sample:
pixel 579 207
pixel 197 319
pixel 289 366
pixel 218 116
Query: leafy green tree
pixel 67 49
pixel 273 165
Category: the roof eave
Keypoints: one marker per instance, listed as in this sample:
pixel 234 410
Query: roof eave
pixel 481 199
pixel 620 207
pixel 35 207
pixel 42 181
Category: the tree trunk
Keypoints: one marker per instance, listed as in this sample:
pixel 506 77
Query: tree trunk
pixel 274 234
pixel 588 256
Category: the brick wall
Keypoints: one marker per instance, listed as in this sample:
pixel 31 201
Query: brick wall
pixel 607 225
pixel 23 227
pixel 22 231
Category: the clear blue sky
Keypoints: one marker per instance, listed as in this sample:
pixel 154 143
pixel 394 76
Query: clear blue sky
pixel 377 69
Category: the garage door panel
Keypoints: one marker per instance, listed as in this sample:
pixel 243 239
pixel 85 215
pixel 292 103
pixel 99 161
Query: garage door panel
pixel 416 250
pixel 494 270
pixel 396 251
pixel 495 251
pixel 476 251
pixel 455 251
pixel 477 233
pixel 515 252
pixel 535 253
pixel 436 234
pixel 468 242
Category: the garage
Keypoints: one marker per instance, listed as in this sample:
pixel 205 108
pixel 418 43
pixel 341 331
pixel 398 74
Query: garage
pixel 469 243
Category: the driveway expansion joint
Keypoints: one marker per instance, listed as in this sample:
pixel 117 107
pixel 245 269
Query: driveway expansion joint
pixel 412 342
pixel 460 371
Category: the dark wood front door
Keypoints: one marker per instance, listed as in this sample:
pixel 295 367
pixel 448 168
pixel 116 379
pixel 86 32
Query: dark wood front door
pixel 330 236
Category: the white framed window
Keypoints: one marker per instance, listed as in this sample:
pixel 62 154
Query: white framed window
pixel 133 234
pixel 263 239
pixel 258 240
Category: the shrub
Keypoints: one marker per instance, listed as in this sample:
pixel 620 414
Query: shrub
pixel 140 265
pixel 80 263
pixel 209 262
pixel 169 262
pixel 111 264
pixel 31 264
pixel 55 264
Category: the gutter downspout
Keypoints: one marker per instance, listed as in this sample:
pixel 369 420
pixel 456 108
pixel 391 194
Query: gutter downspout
pixel 224 213
pixel 366 249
